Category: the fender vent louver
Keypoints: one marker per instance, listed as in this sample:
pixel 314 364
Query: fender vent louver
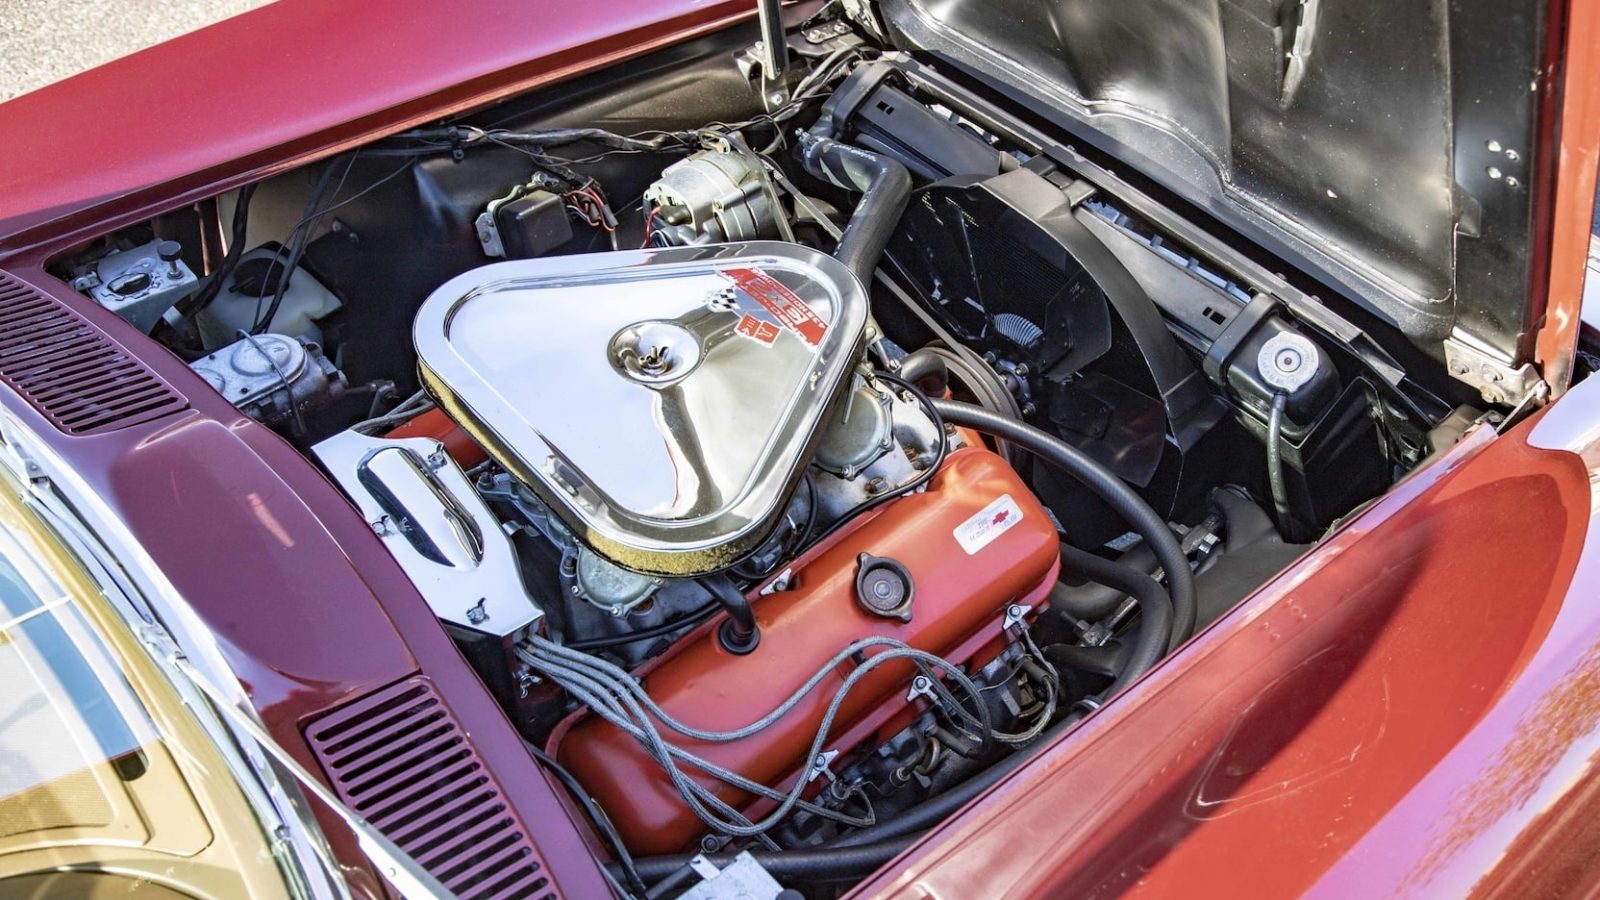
pixel 401 761
pixel 77 377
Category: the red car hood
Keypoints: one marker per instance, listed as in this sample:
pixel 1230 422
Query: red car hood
pixel 271 84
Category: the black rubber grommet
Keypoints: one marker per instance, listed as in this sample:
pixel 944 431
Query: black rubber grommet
pixel 733 642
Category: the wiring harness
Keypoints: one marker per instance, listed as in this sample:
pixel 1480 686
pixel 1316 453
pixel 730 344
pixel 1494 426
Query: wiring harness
pixel 617 698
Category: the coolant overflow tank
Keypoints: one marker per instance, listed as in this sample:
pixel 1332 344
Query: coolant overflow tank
pixel 663 402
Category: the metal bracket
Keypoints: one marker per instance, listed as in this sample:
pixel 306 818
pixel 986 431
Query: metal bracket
pixel 1015 619
pixel 921 686
pixel 860 12
pixel 1495 377
pixel 827 31
pixel 703 867
pixel 819 766
pixel 765 64
pixel 743 878
pixel 1095 635
pixel 779 584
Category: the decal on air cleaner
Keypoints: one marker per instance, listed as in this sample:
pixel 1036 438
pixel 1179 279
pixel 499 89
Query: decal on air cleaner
pixel 757 330
pixel 784 307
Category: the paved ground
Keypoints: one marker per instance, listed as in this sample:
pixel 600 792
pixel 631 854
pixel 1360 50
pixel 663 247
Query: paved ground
pixel 46 40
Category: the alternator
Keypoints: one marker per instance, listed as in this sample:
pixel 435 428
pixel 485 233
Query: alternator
pixel 713 196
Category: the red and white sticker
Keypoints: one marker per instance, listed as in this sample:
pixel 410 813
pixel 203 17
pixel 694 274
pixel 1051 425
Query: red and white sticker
pixel 785 308
pixel 757 330
pixel 988 523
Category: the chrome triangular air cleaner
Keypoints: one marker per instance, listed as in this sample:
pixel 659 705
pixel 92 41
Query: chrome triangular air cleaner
pixel 663 402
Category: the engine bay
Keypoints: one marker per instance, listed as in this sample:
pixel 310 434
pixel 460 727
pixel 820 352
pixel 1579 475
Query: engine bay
pixel 789 455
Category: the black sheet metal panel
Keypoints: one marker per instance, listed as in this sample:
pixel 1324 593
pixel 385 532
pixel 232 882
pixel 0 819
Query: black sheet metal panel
pixel 1353 137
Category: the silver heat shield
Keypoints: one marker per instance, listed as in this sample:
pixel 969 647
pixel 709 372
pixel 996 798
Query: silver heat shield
pixel 663 402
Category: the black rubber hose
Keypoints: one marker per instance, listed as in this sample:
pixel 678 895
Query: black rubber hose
pixel 297 246
pixel 885 188
pixel 1155 609
pixel 1244 522
pixel 1093 601
pixel 1088 602
pixel 592 809
pixel 671 883
pixel 694 617
pixel 230 259
pixel 1104 484
pixel 1280 491
pixel 988 391
pixel 553 137
pixel 926 370
pixel 822 864
pixel 739 633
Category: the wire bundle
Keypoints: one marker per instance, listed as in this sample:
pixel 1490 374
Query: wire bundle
pixel 618 699
pixel 403 412
pixel 1035 663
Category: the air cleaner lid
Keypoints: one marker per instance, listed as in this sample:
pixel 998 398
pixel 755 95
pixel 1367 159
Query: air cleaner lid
pixel 663 402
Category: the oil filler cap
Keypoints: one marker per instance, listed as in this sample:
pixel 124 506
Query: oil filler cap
pixel 884 587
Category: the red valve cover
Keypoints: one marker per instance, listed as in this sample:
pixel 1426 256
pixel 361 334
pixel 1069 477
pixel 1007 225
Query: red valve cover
pixel 974 542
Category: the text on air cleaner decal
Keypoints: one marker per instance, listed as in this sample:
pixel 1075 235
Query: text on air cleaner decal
pixel 781 303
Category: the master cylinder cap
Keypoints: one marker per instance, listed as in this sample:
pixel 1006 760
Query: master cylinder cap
pixel 1288 361
pixel 663 402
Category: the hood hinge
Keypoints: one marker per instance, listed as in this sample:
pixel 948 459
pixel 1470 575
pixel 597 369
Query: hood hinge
pixel 863 14
pixel 1496 378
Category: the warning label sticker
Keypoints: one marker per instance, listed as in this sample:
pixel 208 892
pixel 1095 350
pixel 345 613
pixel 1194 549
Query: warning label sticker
pixel 779 303
pixel 757 330
pixel 980 530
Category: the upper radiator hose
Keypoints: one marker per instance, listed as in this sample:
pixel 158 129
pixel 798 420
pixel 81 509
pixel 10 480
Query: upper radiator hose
pixel 1103 483
pixel 885 188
